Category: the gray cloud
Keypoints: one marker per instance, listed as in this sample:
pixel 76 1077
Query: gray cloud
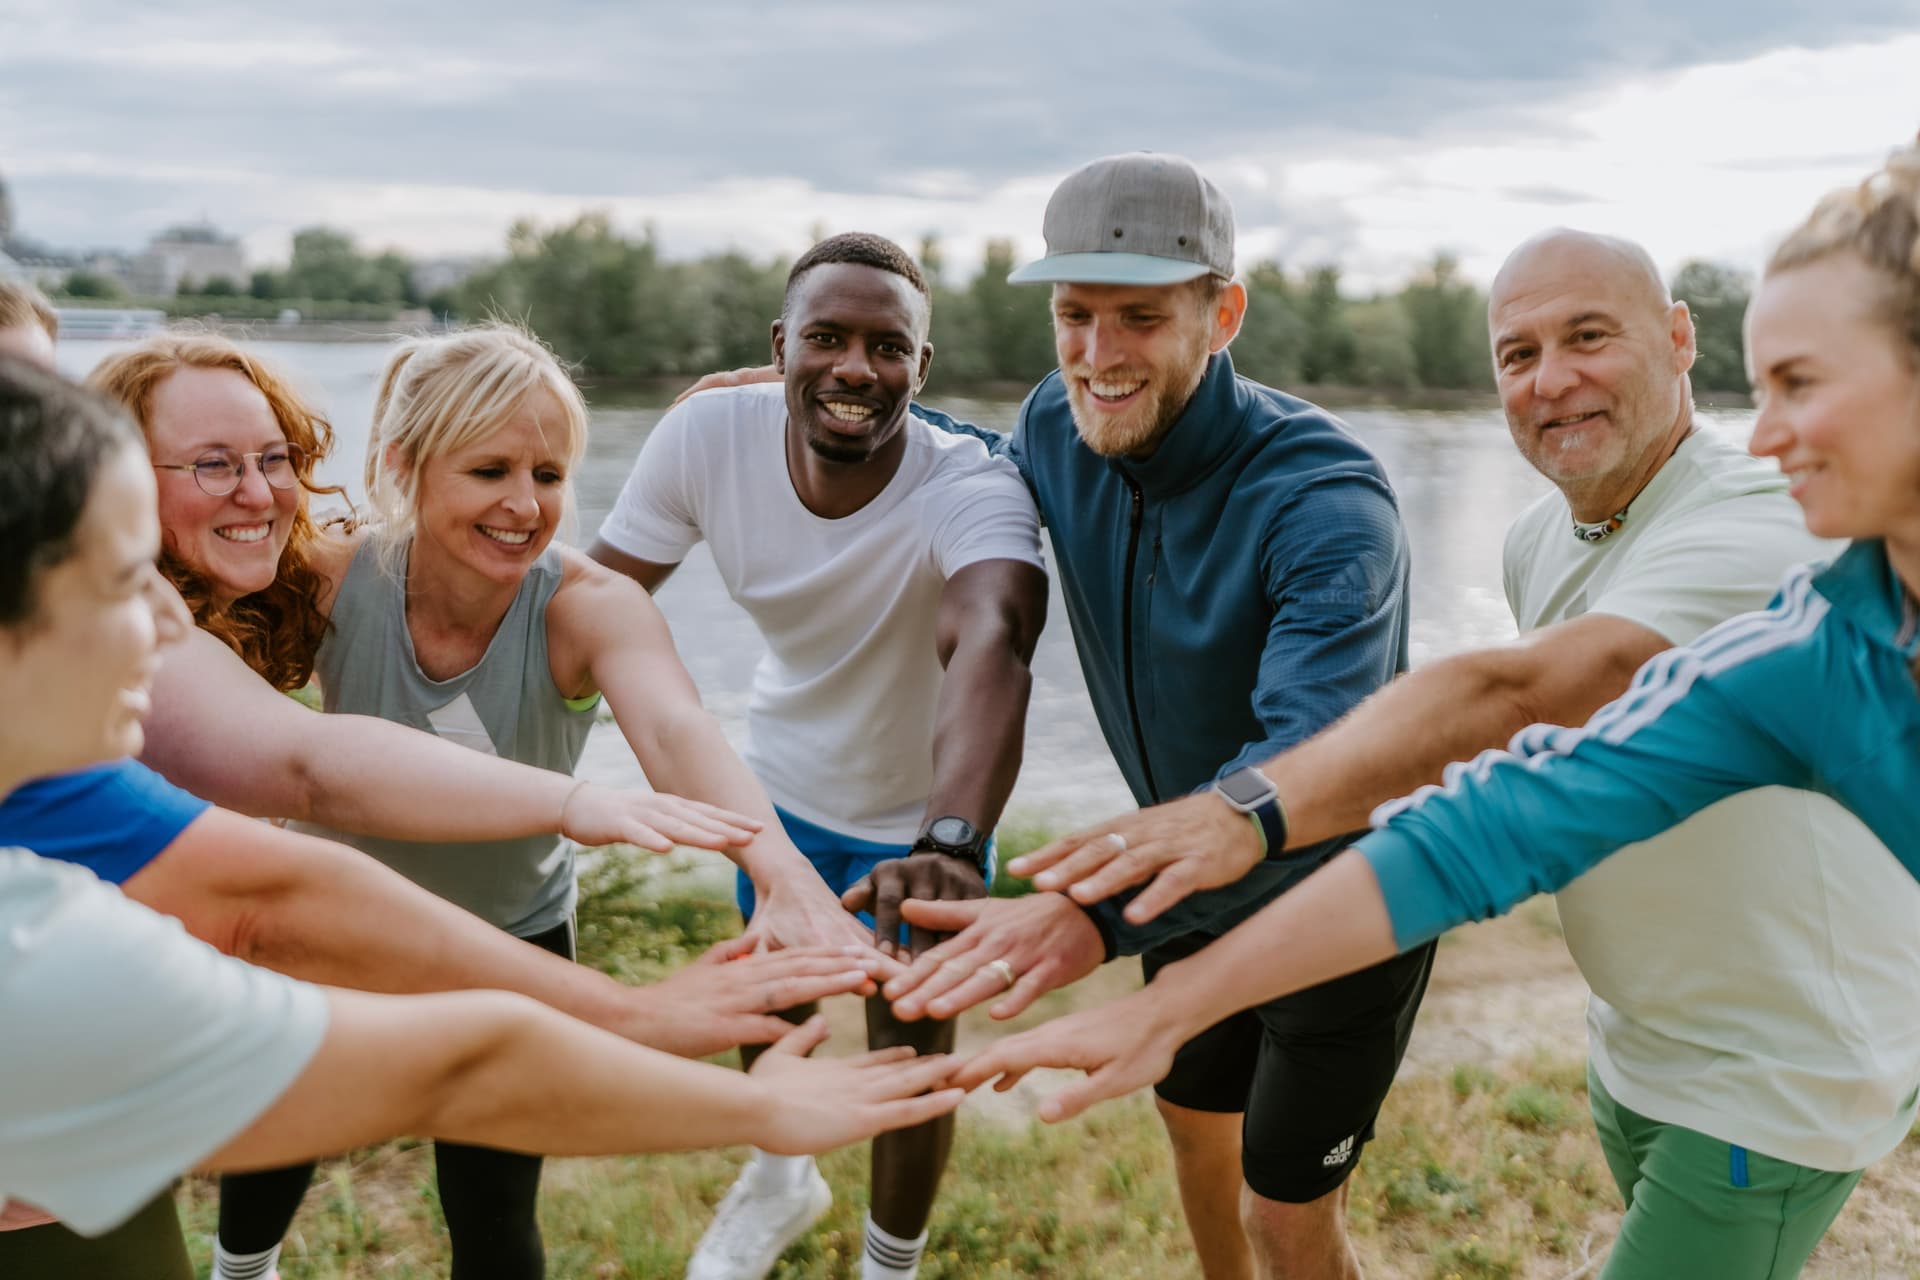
pixel 641 100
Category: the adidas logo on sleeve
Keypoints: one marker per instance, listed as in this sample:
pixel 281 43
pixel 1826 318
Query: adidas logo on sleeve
pixel 1339 1155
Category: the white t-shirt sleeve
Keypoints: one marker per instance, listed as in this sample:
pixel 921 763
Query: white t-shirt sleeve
pixel 129 1051
pixel 989 515
pixel 657 515
pixel 1703 566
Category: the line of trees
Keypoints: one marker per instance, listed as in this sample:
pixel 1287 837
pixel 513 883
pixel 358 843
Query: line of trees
pixel 620 309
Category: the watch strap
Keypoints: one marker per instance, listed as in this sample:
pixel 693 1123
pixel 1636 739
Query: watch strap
pixel 974 854
pixel 1272 821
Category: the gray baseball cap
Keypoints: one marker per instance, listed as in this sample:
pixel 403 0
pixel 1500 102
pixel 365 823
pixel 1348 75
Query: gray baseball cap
pixel 1139 218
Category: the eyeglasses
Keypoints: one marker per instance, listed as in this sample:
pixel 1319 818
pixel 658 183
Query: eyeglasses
pixel 219 472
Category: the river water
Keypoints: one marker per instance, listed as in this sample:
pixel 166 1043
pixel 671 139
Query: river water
pixel 1459 480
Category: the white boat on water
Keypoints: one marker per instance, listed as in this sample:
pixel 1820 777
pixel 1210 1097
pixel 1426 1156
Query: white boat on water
pixel 109 322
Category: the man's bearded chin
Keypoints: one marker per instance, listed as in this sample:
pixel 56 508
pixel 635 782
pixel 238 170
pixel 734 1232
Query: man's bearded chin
pixel 1119 435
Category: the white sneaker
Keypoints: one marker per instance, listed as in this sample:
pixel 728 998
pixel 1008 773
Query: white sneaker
pixel 750 1230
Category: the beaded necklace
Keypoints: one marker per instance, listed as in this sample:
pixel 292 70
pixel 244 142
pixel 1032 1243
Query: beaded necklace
pixel 1601 529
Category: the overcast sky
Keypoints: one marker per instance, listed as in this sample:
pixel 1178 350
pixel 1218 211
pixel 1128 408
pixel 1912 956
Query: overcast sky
pixel 1365 134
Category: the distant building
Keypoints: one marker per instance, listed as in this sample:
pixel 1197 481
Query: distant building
pixel 187 257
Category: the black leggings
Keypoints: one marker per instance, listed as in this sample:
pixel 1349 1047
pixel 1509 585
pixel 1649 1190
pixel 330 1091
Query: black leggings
pixel 489 1197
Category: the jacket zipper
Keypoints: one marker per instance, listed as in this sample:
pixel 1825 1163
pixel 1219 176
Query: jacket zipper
pixel 1126 635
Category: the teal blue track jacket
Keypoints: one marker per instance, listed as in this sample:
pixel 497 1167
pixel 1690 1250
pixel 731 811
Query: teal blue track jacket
pixel 1817 692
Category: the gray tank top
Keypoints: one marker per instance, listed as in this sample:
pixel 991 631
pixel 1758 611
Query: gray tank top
pixel 505 705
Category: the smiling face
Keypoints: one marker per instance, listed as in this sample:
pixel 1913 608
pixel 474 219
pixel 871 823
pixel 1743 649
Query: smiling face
pixel 852 348
pixel 1132 355
pixel 1839 400
pixel 233 542
pixel 1591 362
pixel 488 508
pixel 76 674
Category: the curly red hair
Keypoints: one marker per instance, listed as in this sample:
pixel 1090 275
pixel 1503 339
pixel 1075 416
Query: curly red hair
pixel 276 631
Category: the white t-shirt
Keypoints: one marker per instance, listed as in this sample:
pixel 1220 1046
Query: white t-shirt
pixel 840 721
pixel 128 1050
pixel 1752 968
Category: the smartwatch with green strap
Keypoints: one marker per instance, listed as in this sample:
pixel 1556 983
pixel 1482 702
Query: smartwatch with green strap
pixel 1252 792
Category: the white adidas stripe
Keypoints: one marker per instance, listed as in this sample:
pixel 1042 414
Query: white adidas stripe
pixel 1663 681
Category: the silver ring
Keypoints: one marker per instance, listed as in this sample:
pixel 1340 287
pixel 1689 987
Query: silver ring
pixel 1005 971
pixel 1119 841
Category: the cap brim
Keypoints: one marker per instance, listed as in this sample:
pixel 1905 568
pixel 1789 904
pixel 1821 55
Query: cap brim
pixel 1107 268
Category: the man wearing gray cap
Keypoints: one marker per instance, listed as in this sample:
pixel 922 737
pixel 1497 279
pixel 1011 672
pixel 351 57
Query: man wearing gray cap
pixel 1236 573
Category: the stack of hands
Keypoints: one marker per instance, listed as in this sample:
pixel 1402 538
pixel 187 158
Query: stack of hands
pixel 961 949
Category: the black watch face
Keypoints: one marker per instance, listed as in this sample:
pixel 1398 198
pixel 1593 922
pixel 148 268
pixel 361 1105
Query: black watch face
pixel 1246 788
pixel 952 831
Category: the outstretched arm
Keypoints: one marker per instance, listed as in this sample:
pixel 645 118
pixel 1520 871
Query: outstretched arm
pixel 605 630
pixel 1329 784
pixel 991 614
pixel 1506 826
pixel 498 1070
pixel 323 912
pixel 220 731
pixel 127 1037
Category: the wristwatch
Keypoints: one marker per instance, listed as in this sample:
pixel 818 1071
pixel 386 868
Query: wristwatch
pixel 955 837
pixel 1252 792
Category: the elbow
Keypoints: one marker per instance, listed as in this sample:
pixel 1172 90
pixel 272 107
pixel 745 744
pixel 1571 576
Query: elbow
pixel 1509 690
pixel 671 732
pixel 307 798
pixel 469 1036
pixel 1001 639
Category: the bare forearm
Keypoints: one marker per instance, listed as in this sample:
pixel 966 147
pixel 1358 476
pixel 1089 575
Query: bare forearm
pixel 1333 923
pixel 328 914
pixel 686 752
pixel 1395 742
pixel 549 1083
pixel 491 1068
pixel 374 777
pixel 979 730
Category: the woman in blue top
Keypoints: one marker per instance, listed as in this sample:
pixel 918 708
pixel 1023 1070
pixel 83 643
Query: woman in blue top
pixel 1819 692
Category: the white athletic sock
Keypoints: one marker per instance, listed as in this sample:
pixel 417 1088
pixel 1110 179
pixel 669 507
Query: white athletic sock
pixel 888 1257
pixel 771 1175
pixel 243 1266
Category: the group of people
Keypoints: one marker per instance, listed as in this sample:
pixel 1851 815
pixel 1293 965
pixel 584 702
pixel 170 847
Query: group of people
pixel 1236 577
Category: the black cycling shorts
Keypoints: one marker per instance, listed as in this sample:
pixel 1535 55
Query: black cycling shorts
pixel 1307 1071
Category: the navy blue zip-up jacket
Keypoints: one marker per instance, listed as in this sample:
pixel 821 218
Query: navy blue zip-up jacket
pixel 1230 596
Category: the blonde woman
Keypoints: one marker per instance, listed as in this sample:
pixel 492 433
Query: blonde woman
pixel 234 448
pixel 458 615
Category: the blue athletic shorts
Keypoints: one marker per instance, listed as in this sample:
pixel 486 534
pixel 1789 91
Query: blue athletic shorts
pixel 842 861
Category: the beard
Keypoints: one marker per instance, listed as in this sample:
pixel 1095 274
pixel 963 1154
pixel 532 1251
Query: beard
pixel 850 453
pixel 1170 385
